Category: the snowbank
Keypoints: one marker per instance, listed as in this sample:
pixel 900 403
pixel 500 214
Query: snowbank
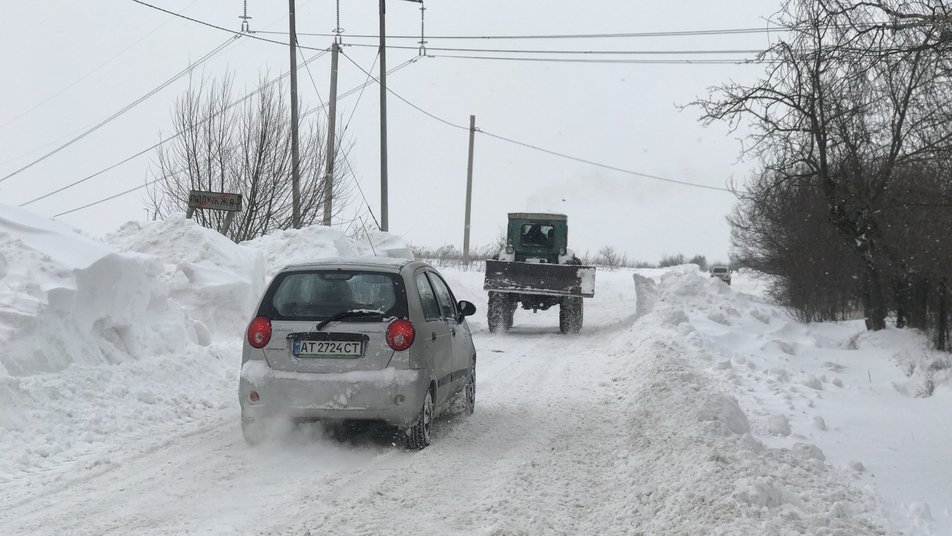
pixel 103 338
pixel 66 298
pixel 842 403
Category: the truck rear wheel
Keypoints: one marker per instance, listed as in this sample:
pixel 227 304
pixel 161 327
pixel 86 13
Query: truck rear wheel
pixel 500 312
pixel 570 315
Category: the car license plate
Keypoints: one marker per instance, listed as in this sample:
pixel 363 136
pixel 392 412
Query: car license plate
pixel 327 349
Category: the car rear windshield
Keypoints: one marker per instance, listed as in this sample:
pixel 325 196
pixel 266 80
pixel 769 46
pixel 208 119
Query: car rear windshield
pixel 720 270
pixel 321 294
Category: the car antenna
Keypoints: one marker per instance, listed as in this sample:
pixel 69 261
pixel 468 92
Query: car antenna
pixel 369 240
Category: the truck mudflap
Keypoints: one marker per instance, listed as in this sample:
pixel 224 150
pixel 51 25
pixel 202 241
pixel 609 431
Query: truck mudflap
pixel 540 278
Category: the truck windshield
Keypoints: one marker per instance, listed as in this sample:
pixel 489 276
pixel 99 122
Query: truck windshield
pixel 537 235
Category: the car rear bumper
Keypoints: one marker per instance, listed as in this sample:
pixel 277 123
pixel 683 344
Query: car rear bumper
pixel 390 395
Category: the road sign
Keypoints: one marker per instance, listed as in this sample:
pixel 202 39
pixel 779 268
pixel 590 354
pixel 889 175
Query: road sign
pixel 214 201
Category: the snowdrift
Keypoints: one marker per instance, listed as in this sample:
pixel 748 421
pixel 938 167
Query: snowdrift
pixel 148 289
pixel 103 337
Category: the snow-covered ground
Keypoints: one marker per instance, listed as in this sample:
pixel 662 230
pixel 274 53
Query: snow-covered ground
pixel 685 406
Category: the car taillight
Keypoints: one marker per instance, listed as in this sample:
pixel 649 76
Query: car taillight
pixel 400 334
pixel 259 332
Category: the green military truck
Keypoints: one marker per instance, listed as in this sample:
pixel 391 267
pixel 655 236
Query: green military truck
pixel 537 271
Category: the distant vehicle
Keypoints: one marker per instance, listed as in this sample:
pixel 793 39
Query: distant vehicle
pixel 366 339
pixel 536 269
pixel 721 272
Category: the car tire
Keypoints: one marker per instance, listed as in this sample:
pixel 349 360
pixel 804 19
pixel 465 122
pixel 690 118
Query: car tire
pixel 570 315
pixel 464 402
pixel 419 433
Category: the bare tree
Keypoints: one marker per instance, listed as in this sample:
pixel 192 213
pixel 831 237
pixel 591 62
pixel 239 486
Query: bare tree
pixel 242 147
pixel 608 257
pixel 847 101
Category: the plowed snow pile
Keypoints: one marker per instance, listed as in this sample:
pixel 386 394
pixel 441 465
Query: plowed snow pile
pixel 837 401
pixel 103 338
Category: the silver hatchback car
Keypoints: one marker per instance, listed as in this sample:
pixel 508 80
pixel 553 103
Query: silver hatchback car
pixel 368 339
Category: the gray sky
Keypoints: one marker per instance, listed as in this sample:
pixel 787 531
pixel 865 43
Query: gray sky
pixel 70 65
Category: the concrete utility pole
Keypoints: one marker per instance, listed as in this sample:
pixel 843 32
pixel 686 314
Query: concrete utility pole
pixel 331 138
pixel 384 211
pixel 469 187
pixel 384 218
pixel 295 155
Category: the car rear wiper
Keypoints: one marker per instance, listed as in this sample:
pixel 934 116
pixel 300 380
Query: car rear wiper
pixel 346 314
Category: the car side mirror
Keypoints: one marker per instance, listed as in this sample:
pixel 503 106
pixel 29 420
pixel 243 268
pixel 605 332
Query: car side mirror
pixel 466 308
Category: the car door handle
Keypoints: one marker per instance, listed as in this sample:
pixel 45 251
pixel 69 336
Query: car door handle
pixel 453 331
pixel 433 336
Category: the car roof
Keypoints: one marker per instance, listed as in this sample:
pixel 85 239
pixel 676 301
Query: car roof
pixel 394 264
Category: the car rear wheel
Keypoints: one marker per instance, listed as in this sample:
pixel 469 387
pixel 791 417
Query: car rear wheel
pixel 418 435
pixel 464 403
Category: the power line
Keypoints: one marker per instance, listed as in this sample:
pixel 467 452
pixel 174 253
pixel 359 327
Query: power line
pixel 222 28
pixel 125 109
pixel 90 73
pixel 110 198
pixel 625 35
pixel 572 52
pixel 605 166
pixel 548 151
pixel 701 61
pixel 346 125
pixel 246 97
pixel 166 140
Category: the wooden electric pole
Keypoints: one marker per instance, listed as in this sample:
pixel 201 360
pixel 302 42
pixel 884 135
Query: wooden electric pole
pixel 469 187
pixel 295 155
pixel 331 139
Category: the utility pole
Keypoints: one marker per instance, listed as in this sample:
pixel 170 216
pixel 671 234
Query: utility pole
pixel 384 218
pixel 384 211
pixel 295 155
pixel 469 187
pixel 331 138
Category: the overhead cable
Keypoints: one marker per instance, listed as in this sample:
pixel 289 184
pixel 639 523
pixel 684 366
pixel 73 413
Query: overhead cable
pixel 617 35
pixel 573 52
pixel 162 142
pixel 125 109
pixel 547 151
pixel 168 139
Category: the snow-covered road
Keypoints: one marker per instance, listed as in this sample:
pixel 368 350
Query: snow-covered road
pixel 705 409
pixel 609 432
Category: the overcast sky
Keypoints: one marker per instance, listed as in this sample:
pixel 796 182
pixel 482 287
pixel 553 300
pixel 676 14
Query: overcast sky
pixel 70 65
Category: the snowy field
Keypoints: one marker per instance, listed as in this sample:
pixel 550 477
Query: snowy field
pixel 685 406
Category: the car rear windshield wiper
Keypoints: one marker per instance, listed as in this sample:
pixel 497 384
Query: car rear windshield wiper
pixel 346 314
